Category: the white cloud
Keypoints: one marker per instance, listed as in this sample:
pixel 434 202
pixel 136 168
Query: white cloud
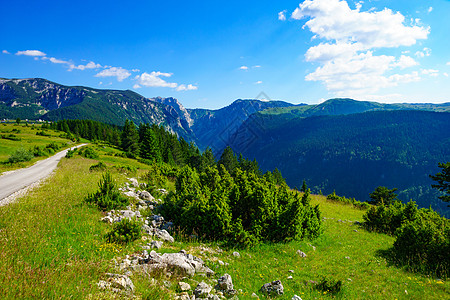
pixel 118 72
pixel 188 87
pixel 446 74
pixel 350 38
pixel 257 66
pixel 258 82
pixel 430 72
pixel 56 61
pixel 91 65
pixel 153 80
pixel 5 52
pixel 243 68
pixel 31 53
pixel 136 86
pixel 282 15
pixel 334 20
pixel 135 70
pixel 430 9
pixel 405 62
pixel 448 64
pixel 425 52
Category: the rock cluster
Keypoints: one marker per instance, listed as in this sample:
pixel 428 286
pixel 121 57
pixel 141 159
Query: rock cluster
pixel 180 263
pixel 273 288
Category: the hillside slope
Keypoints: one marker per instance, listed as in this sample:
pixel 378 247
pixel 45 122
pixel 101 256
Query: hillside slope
pixel 213 128
pixel 39 98
pixel 352 154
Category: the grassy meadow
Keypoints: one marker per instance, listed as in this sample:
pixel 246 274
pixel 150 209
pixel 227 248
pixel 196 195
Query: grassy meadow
pixel 52 246
pixel 25 138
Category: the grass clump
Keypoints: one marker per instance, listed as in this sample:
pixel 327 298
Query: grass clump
pixel 125 231
pixel 108 196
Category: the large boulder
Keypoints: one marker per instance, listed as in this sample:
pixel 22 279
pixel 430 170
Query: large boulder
pixel 163 235
pixel 225 285
pixel 273 288
pixel 202 290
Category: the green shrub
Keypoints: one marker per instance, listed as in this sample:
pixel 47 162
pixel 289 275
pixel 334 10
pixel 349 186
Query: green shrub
pixel 42 133
pixel 424 245
pixel 108 196
pixel 243 210
pixel 101 166
pixel 70 153
pixel 38 151
pixel 335 198
pixel 125 231
pixel 329 286
pixel 125 169
pixel 11 137
pixel 89 152
pixel 54 146
pixel 20 155
pixel 422 236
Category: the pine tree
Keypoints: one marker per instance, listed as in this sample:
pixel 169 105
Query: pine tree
pixel 228 160
pixel 130 138
pixel 150 148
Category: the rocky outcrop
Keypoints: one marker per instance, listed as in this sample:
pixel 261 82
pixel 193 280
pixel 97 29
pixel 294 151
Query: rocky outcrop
pixel 180 263
pixel 273 288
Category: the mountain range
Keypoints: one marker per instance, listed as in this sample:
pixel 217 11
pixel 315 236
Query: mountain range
pixel 341 145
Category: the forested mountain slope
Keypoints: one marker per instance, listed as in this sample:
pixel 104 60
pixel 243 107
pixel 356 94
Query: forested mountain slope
pixel 39 98
pixel 352 154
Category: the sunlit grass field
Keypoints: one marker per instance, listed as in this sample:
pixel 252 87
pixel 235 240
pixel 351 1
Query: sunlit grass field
pixel 52 246
pixel 28 139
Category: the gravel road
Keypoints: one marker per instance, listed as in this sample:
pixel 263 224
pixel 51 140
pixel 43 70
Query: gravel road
pixel 15 181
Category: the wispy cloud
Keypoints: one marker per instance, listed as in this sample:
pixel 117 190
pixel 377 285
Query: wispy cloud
pixel 425 52
pixel 5 52
pixel 258 82
pixel 348 65
pixel 154 79
pixel 118 72
pixel 243 68
pixel 282 15
pixel 89 65
pixel 188 87
pixel 35 53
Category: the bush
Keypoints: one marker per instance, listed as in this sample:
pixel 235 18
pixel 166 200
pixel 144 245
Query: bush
pixel 20 155
pixel 124 231
pixel 88 152
pixel 101 166
pixel 70 153
pixel 335 198
pixel 11 137
pixel 125 169
pixel 43 133
pixel 424 245
pixel 108 196
pixel 243 210
pixel 329 286
pixel 38 151
pixel 422 236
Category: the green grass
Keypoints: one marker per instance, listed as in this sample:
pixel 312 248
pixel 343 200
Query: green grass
pixel 53 246
pixel 28 139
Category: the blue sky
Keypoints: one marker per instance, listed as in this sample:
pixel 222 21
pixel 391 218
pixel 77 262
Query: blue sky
pixel 210 53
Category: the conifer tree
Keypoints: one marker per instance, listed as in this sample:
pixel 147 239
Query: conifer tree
pixel 130 138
